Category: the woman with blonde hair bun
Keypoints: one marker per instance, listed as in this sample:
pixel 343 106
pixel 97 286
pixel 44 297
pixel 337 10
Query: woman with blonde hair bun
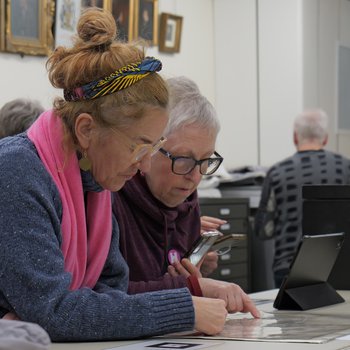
pixel 61 265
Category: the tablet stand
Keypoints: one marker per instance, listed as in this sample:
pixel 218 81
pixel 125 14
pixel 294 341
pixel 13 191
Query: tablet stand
pixel 308 297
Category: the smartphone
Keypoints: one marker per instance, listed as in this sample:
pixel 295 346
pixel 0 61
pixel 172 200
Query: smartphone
pixel 213 241
pixel 224 244
pixel 202 246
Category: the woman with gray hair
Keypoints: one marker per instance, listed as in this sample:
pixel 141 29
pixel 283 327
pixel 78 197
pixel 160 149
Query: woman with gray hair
pixel 158 211
pixel 18 115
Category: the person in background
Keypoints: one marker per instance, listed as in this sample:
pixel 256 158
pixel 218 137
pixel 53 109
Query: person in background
pixel 59 243
pixel 158 211
pixel 279 215
pixel 18 115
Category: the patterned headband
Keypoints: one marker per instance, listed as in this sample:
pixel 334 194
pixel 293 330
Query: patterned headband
pixel 118 80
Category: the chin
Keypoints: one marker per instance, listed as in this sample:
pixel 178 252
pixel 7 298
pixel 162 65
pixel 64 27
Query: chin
pixel 118 187
pixel 173 204
pixel 113 187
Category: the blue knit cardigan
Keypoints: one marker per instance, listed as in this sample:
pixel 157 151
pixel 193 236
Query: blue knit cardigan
pixel 33 283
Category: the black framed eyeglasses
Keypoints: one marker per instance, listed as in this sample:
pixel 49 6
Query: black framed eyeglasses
pixel 184 165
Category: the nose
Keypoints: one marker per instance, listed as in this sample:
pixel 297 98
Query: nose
pixel 194 175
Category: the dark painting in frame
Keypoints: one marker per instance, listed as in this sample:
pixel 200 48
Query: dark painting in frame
pixel 146 21
pixel 94 3
pixel 123 13
pixel 170 33
pixel 29 26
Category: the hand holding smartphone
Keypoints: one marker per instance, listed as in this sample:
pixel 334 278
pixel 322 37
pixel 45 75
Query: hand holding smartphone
pixel 212 240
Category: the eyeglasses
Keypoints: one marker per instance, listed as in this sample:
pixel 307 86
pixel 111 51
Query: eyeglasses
pixel 184 165
pixel 140 150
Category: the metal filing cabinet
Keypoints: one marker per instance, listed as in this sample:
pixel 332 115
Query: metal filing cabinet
pixel 234 266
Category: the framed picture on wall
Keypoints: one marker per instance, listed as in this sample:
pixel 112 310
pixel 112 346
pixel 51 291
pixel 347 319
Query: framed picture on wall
pixel 29 26
pixel 146 20
pixel 170 32
pixel 67 15
pixel 2 25
pixel 123 13
pixel 95 3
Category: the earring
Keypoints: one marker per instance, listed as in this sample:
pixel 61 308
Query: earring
pixel 84 162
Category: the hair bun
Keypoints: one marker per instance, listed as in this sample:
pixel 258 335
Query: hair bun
pixel 96 27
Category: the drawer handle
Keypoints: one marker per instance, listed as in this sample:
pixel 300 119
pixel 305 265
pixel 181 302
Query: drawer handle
pixel 225 211
pixel 225 257
pixel 225 272
pixel 226 227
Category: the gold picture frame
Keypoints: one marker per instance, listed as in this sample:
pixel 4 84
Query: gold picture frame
pixel 146 21
pixel 170 32
pixel 69 11
pixel 2 25
pixel 66 20
pixel 95 3
pixel 123 13
pixel 29 26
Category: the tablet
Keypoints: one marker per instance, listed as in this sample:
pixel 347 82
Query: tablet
pixel 306 281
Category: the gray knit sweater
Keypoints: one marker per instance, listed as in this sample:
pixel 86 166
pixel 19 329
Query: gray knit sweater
pixel 33 283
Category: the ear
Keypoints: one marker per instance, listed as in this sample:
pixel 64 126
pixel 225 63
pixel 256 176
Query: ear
pixel 295 138
pixel 325 141
pixel 84 125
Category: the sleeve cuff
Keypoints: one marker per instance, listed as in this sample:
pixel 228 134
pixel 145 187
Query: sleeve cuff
pixel 193 286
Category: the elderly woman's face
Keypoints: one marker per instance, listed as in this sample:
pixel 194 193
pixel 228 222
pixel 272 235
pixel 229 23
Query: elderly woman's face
pixel 111 155
pixel 172 189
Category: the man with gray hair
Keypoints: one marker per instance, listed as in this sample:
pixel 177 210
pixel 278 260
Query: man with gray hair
pixel 279 215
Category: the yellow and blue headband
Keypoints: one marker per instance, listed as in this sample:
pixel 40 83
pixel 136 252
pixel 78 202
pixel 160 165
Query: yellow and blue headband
pixel 116 81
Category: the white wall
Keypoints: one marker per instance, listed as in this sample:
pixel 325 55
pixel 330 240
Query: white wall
pixel 280 76
pixel 236 80
pixel 26 76
pixel 326 25
pixel 258 77
pixel 259 61
pixel 274 58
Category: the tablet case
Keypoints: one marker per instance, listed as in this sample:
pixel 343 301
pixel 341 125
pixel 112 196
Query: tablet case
pixel 306 286
pixel 326 209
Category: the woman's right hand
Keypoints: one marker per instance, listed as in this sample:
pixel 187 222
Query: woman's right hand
pixel 210 315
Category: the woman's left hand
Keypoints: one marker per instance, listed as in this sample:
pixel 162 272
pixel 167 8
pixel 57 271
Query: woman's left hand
pixel 210 223
pixel 184 268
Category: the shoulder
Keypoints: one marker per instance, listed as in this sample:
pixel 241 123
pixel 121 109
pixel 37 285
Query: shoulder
pixel 20 166
pixel 284 163
pixel 336 156
pixel 16 151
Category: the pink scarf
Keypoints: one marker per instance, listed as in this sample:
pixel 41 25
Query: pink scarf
pixel 85 253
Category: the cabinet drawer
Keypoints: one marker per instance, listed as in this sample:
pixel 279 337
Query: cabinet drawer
pixel 235 255
pixel 235 226
pixel 225 210
pixel 229 272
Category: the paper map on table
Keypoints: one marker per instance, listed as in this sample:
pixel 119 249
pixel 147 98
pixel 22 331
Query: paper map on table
pixel 291 327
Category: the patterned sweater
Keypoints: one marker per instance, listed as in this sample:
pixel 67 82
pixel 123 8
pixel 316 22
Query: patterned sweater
pixel 280 211
pixel 33 283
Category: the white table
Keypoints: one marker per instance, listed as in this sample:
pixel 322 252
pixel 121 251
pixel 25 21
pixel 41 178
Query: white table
pixel 341 310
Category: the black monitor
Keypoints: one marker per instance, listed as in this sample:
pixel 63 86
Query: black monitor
pixel 326 209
